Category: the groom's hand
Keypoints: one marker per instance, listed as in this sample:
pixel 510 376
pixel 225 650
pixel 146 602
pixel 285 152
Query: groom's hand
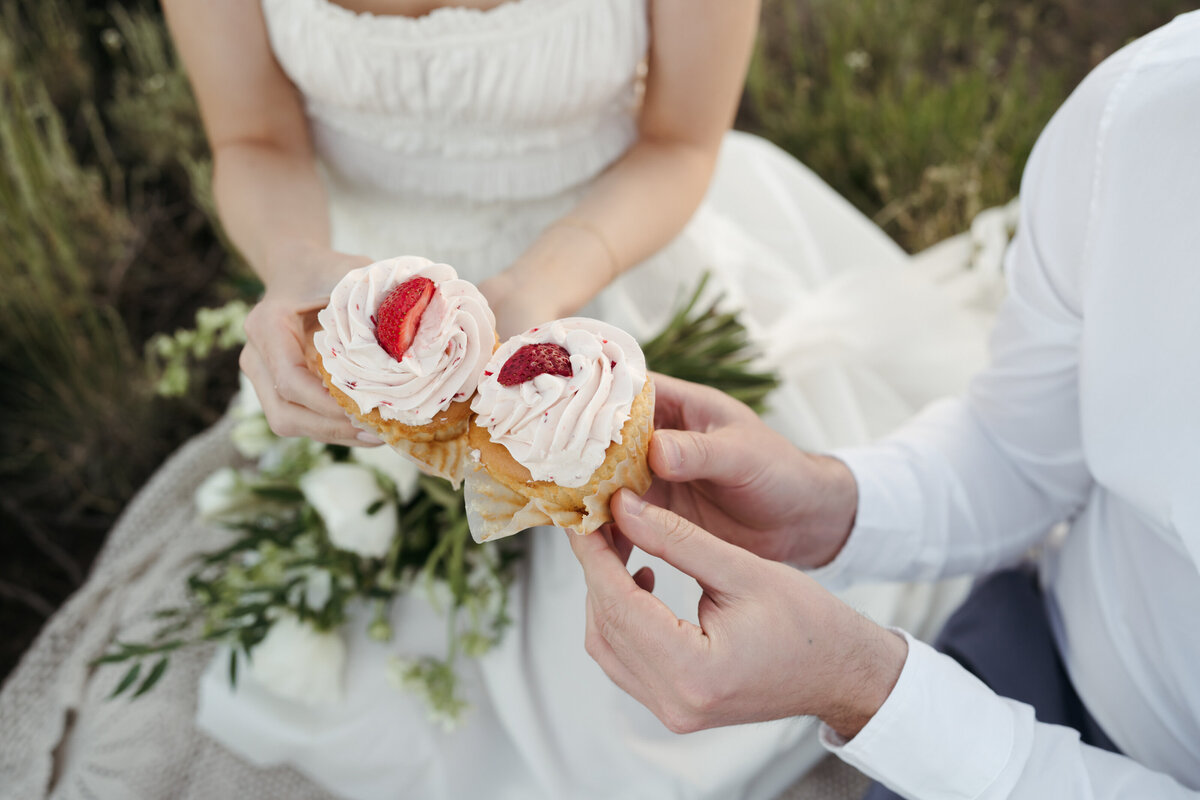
pixel 717 464
pixel 770 642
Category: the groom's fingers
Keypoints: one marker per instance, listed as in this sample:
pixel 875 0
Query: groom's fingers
pixel 602 653
pixel 616 540
pixel 724 457
pixel 682 405
pixel 715 564
pixel 602 564
pixel 638 627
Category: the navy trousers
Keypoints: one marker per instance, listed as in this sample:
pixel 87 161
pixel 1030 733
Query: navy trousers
pixel 1001 635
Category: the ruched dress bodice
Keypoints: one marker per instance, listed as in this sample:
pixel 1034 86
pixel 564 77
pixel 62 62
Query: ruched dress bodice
pixel 461 133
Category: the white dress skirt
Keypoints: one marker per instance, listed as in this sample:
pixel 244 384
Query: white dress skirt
pixel 459 136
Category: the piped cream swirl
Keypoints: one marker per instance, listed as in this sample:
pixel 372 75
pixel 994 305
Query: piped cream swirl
pixel 560 428
pixel 447 355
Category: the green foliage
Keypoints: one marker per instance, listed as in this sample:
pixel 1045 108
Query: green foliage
pixel 173 357
pixel 923 113
pixel 70 370
pixel 281 561
pixel 81 221
pixel 106 220
pixel 151 102
pixel 710 346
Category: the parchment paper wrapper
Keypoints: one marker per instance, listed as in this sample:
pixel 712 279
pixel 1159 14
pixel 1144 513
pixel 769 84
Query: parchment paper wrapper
pixel 438 448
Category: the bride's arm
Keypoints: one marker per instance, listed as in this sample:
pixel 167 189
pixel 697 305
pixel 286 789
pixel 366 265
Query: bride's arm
pixel 699 51
pixel 270 200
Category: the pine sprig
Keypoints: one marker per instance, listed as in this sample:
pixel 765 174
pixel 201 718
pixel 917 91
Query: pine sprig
pixel 712 347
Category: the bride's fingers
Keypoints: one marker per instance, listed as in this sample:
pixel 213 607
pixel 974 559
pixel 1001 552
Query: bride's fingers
pixel 277 336
pixel 296 384
pixel 289 419
pixel 291 377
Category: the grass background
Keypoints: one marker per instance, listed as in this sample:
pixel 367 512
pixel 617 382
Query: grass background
pixel 921 112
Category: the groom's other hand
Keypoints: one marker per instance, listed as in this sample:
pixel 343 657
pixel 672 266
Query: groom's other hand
pixel 717 464
pixel 770 643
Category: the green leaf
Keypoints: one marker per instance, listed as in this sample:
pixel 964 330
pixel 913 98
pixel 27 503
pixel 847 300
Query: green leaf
pixel 710 347
pixel 439 490
pixel 110 658
pixel 155 673
pixel 127 681
pixel 374 508
pixel 280 494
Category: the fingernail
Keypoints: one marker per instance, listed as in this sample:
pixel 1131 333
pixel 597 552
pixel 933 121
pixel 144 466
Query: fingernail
pixel 366 437
pixel 670 451
pixel 631 504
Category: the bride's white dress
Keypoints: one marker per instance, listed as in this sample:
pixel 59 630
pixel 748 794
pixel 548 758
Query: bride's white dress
pixel 459 136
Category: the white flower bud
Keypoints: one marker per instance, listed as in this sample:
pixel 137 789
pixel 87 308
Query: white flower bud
pixel 358 515
pixel 245 402
pixel 252 436
pixel 221 493
pixel 401 470
pixel 318 586
pixel 298 662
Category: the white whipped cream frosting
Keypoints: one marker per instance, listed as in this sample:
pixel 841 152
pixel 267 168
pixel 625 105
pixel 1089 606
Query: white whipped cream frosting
pixel 445 361
pixel 559 428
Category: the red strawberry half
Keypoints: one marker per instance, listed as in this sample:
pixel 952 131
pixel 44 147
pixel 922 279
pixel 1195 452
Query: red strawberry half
pixel 533 360
pixel 399 314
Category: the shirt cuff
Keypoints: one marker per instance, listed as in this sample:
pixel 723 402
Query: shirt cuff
pixel 941 733
pixel 889 515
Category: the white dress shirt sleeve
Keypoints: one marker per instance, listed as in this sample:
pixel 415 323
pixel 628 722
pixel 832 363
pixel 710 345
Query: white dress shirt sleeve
pixel 943 735
pixel 973 482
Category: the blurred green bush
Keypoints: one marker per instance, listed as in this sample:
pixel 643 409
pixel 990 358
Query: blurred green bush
pixel 923 112
pixel 107 233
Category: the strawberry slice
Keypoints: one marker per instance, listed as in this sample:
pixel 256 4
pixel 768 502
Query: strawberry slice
pixel 399 315
pixel 533 360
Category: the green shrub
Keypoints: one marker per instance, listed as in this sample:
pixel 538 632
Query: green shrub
pixel 105 221
pixel 922 113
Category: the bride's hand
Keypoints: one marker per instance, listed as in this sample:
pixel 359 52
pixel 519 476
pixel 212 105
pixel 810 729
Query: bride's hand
pixel 278 334
pixel 718 465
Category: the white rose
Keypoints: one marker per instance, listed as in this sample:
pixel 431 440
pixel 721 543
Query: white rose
pixel 221 493
pixel 246 402
pixel 401 470
pixel 358 515
pixel 298 662
pixel 317 589
pixel 252 436
pixel 288 452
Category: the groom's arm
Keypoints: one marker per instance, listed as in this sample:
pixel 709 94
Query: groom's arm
pixel 973 482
